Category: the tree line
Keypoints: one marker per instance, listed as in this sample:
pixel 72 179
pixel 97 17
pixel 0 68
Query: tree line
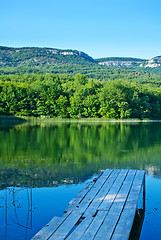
pixel 77 96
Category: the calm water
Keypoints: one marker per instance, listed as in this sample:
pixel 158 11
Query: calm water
pixel 42 167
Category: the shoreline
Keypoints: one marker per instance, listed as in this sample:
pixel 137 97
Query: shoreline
pixel 21 119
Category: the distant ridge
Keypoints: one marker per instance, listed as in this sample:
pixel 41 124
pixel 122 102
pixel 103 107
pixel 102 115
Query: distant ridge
pixel 130 62
pixel 53 60
pixel 20 56
pixel 120 59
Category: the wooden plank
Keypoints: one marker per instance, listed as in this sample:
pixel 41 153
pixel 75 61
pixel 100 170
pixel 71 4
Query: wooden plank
pixel 108 226
pixel 125 223
pixel 81 228
pixel 110 197
pixel 46 231
pixel 50 228
pixel 79 231
pixel 65 228
pixel 90 222
pixel 106 209
pixel 95 225
pixel 69 223
pixel 76 200
pixel 92 227
pixel 82 193
pixel 102 194
pixel 94 191
pixel 80 208
pixel 84 196
pixel 85 224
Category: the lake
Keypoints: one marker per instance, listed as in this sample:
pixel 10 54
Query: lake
pixel 43 166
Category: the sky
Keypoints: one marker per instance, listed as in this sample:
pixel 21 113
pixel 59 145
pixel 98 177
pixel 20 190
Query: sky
pixel 100 28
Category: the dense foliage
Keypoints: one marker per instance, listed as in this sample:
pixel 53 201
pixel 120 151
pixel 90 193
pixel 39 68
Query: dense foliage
pixel 77 97
pixel 156 70
pixel 49 82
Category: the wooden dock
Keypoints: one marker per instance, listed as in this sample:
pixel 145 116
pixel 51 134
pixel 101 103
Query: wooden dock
pixel 104 209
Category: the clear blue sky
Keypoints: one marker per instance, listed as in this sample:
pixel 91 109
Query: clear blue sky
pixel 101 28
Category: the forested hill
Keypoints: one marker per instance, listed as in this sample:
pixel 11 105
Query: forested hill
pixel 149 65
pixel 32 84
pixel 71 62
pixel 121 62
pixel 48 60
pixel 40 57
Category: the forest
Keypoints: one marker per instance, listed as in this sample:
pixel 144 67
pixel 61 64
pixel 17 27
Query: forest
pixel 59 83
pixel 64 96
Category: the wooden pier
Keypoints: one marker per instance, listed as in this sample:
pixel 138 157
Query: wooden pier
pixel 104 209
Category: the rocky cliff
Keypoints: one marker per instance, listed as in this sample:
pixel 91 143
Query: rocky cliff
pixel 130 62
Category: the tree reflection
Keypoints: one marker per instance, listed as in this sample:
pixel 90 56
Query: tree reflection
pixel 54 154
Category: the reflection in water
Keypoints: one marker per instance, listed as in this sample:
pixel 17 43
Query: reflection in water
pixel 45 163
pixel 45 155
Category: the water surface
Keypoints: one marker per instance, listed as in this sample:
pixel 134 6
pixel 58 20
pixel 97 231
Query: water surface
pixel 43 166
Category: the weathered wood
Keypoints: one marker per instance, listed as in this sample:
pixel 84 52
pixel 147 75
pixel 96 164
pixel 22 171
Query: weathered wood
pixel 125 223
pixel 50 228
pixel 110 222
pixel 84 204
pixel 83 199
pixel 76 200
pixel 81 228
pixel 104 209
pixel 93 228
pixel 99 198
pixel 67 226
pixel 110 197
pixel 91 210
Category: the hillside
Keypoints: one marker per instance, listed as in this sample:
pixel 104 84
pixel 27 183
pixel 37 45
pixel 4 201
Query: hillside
pixel 49 82
pixel 35 57
pixel 121 62
pixel 153 65
pixel 58 61
pixel 46 60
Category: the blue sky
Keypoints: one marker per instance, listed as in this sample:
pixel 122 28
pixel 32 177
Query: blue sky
pixel 100 28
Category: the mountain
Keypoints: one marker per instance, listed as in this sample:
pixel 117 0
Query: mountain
pixel 153 65
pixel 71 62
pixel 130 62
pixel 15 57
pixel 34 56
pixel 121 62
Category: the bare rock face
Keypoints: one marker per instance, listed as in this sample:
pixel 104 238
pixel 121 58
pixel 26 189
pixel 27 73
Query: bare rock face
pixel 118 63
pixel 69 53
pixel 154 62
pixel 121 62
pixel 130 62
